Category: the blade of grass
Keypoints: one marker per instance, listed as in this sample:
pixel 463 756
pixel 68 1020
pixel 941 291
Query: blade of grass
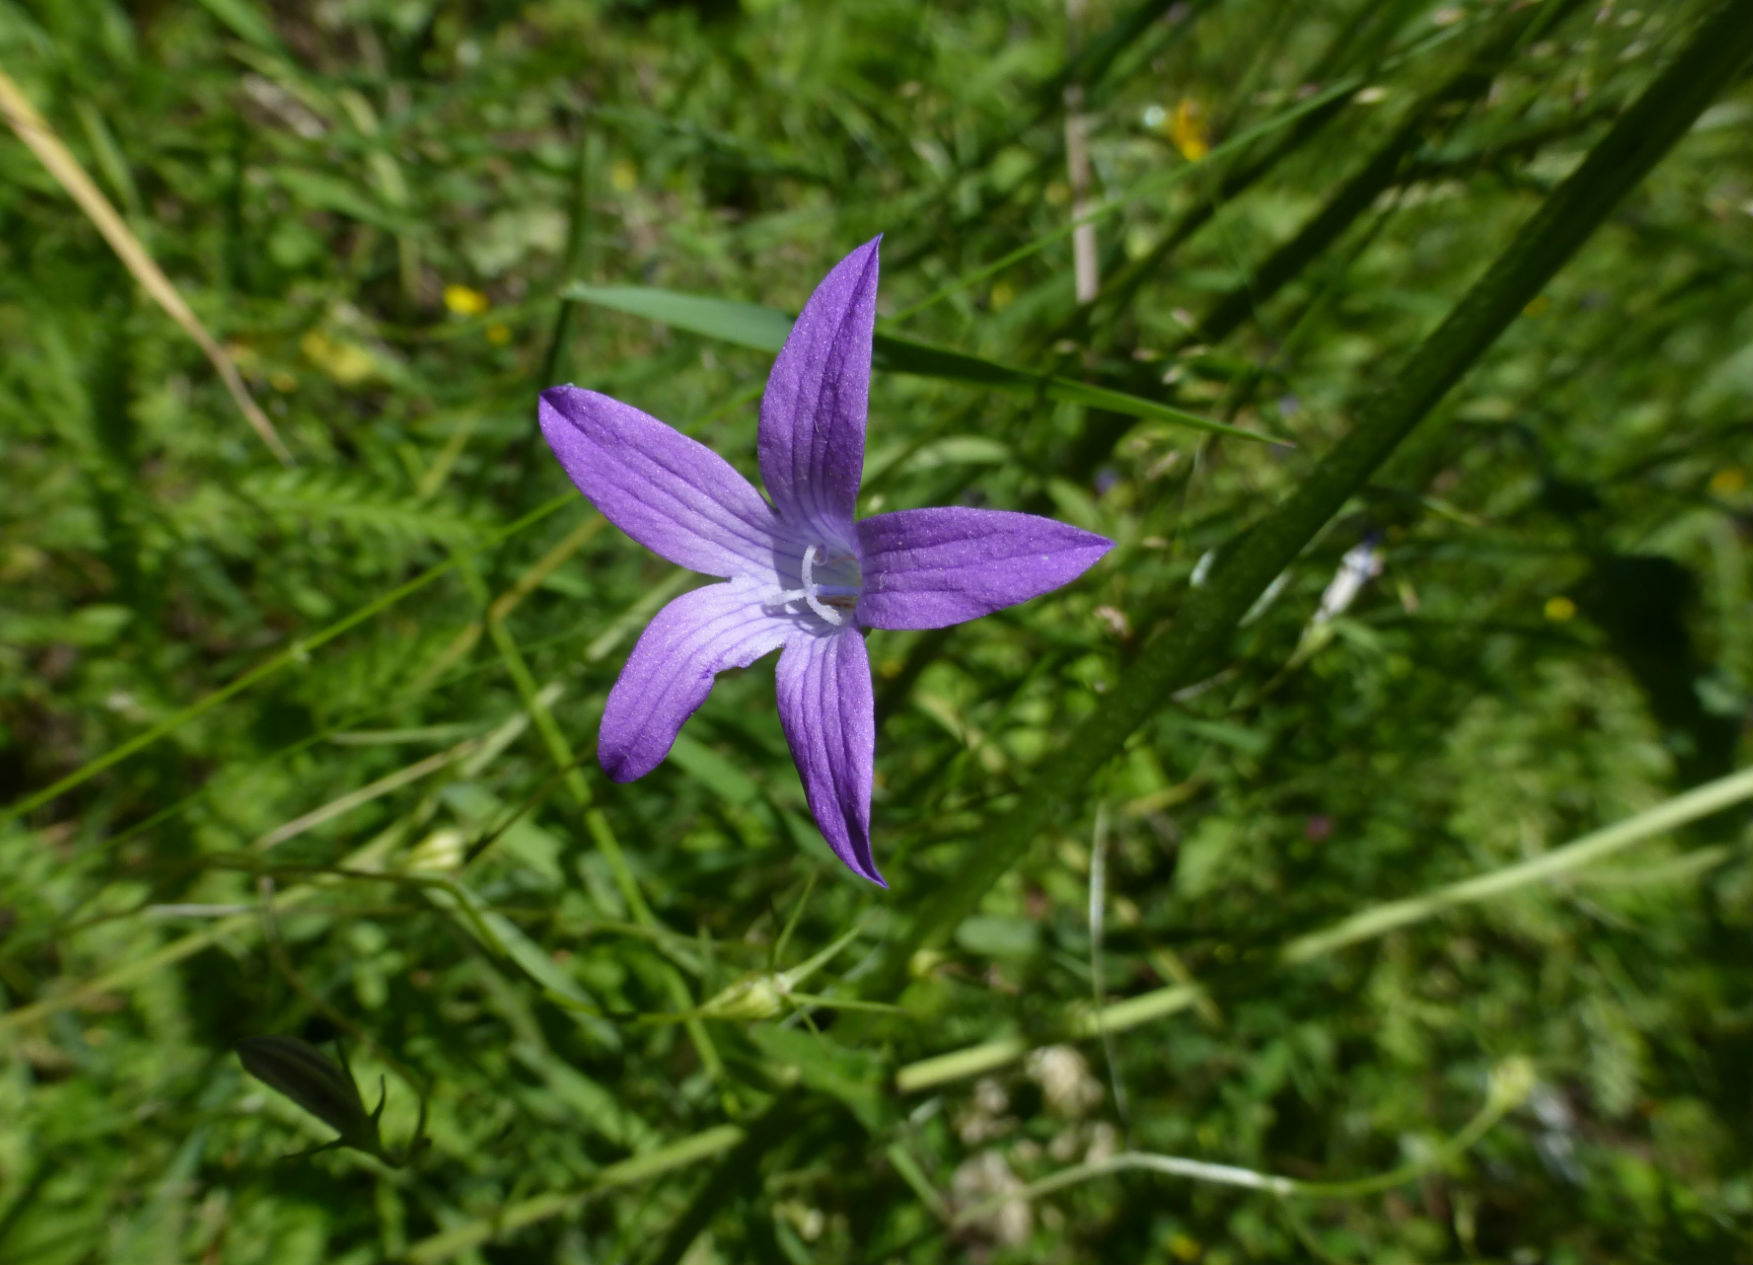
pixel 1157 182
pixel 596 822
pixel 1510 1084
pixel 35 132
pixel 1077 167
pixel 1089 65
pixel 1719 46
pixel 1379 171
pixel 578 251
pixel 136 968
pixel 296 652
pixel 1369 924
pixel 364 795
pixel 364 861
pixel 764 329
pixel 640 1168
pixel 736 1174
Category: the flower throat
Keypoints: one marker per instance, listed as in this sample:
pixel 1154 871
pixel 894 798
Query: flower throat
pixel 831 584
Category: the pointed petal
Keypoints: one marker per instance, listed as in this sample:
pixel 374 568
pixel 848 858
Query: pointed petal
pixel 829 714
pixel 672 494
pixel 670 671
pixel 813 412
pixel 930 568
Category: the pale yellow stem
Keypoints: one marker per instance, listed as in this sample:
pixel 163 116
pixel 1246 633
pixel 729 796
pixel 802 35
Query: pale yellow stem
pixel 22 117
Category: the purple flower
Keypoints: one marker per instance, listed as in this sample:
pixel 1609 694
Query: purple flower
pixel 802 575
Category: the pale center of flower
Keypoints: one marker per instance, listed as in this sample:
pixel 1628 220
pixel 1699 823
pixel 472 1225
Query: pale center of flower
pixel 830 582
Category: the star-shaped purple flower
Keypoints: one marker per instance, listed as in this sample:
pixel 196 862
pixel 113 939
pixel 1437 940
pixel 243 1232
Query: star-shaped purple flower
pixel 803 576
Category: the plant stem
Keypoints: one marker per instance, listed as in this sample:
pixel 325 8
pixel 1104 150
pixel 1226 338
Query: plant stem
pixel 1719 46
pixel 644 1167
pixel 1377 921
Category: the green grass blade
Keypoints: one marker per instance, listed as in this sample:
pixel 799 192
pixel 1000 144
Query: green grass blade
pixel 764 329
pixel 640 1168
pixel 300 647
pixel 739 324
pixel 1368 924
pixel 1566 219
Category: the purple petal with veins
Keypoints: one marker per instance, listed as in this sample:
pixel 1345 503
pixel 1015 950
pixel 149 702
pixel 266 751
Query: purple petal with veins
pixel 930 568
pixel 670 672
pixel 672 494
pixel 811 440
pixel 829 716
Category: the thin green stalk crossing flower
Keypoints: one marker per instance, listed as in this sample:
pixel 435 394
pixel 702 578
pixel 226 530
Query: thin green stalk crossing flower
pixel 803 575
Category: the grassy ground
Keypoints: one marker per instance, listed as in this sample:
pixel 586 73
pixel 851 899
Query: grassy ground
pixel 1220 930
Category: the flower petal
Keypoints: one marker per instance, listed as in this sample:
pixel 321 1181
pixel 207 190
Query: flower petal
pixel 669 673
pixel 829 715
pixel 672 494
pixel 813 411
pixel 929 568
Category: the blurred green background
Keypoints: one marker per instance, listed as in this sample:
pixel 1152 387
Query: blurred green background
pixel 305 749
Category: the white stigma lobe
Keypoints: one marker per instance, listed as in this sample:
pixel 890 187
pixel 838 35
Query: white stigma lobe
pixel 828 600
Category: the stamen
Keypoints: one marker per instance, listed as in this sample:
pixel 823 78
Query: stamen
pixel 826 612
pixel 830 601
pixel 809 590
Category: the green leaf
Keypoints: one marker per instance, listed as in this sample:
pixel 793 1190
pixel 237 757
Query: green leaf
pixel 764 329
pixel 246 21
pixel 505 939
pixel 997 936
pixel 719 775
pixel 904 355
pixel 740 324
pixel 855 1077
pixel 326 192
pixel 598 1106
pixel 952 450
pixel 523 840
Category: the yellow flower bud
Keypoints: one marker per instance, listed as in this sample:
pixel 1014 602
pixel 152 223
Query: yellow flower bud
pixel 465 301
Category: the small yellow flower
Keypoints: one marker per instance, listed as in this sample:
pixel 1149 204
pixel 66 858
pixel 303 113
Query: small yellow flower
pixel 623 175
pixel 498 334
pixel 1729 481
pixel 465 301
pixel 1001 295
pixel 1560 609
pixel 1184 1248
pixel 1187 131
